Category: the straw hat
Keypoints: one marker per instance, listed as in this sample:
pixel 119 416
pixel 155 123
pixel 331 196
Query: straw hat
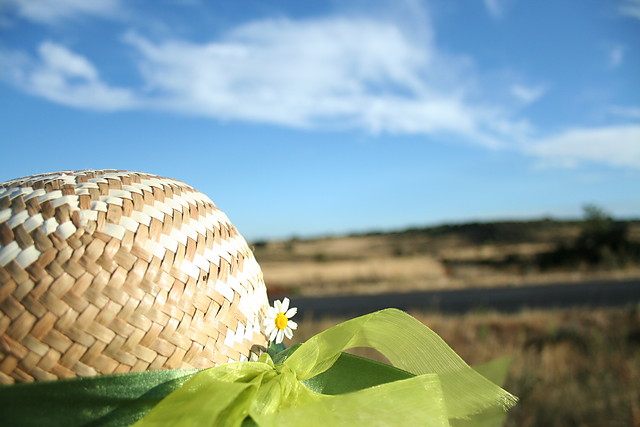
pixel 112 271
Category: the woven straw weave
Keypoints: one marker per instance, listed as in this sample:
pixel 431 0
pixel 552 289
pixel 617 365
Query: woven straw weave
pixel 112 271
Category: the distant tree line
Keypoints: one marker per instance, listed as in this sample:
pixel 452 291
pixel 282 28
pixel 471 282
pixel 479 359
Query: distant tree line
pixel 602 242
pixel 484 232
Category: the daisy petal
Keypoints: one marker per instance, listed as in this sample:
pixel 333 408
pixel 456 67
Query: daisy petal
pixel 291 312
pixel 285 305
pixel 273 335
pixel 270 328
pixel 292 325
pixel 271 312
pixel 278 306
pixel 279 336
pixel 288 333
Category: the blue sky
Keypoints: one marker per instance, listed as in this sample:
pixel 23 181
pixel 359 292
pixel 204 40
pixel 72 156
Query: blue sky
pixel 308 118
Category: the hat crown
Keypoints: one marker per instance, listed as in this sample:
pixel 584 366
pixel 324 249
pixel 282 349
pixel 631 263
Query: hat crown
pixel 109 271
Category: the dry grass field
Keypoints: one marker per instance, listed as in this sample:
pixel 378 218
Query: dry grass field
pixel 448 257
pixel 570 367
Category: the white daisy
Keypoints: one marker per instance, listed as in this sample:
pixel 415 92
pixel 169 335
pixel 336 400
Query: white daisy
pixel 278 323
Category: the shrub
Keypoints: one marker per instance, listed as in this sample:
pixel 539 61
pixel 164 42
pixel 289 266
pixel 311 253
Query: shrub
pixel 602 242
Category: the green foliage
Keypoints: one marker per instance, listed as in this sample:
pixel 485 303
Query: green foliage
pixel 320 257
pixel 492 232
pixel 600 232
pixel 260 244
pixel 602 242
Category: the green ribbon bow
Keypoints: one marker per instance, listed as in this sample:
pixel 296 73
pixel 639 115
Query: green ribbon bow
pixel 442 389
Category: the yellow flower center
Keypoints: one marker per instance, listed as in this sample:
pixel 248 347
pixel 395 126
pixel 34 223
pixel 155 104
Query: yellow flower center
pixel 281 321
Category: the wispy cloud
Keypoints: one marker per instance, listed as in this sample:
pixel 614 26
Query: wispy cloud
pixel 353 73
pixel 629 112
pixel 616 56
pixel 528 94
pixel 617 146
pixel 295 73
pixel 496 8
pixel 55 11
pixel 336 72
pixel 63 76
pixel 630 8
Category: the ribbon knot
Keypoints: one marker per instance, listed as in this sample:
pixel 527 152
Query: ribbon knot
pixel 443 387
pixel 277 390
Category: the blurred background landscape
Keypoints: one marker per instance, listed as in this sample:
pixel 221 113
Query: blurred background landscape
pixel 372 147
pixel 487 254
pixel 576 366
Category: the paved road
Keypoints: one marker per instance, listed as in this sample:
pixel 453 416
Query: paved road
pixel 506 299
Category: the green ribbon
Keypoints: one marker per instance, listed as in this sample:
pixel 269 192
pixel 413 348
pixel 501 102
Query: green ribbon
pixel 106 400
pixel 443 389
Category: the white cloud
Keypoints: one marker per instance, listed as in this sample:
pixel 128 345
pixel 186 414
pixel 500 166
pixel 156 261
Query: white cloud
pixel 617 146
pixel 494 8
pixel 65 77
pixel 54 11
pixel 630 112
pixel 616 56
pixel 497 8
pixel 527 94
pixel 286 72
pixel 630 8
pixel 338 72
